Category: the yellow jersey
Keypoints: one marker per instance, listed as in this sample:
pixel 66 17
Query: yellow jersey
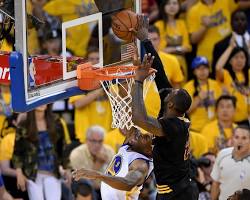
pixel 243 101
pixel 175 36
pixel 69 10
pixel 7 145
pixel 216 136
pixel 198 144
pixel 114 139
pixel 97 112
pixel 203 113
pixel 220 13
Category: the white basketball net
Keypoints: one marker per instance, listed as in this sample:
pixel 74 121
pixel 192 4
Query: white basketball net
pixel 119 94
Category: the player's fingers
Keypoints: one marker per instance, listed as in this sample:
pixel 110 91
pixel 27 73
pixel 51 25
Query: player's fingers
pixel 132 30
pixel 151 60
pixel 145 58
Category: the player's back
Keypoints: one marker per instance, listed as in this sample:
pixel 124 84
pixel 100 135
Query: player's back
pixel 120 167
pixel 171 153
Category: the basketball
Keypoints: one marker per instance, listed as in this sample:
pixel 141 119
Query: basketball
pixel 122 22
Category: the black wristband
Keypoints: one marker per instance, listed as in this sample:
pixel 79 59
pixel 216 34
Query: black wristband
pixel 140 82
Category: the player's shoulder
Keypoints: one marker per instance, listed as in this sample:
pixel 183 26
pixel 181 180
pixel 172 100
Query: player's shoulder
pixel 159 24
pixel 189 84
pixel 210 125
pixel 195 9
pixel 167 55
pixel 213 82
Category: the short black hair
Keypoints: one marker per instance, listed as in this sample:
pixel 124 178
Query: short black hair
pixel 243 126
pixel 182 101
pixel 52 34
pixel 153 29
pixel 235 13
pixel 226 97
pixel 92 49
pixel 83 188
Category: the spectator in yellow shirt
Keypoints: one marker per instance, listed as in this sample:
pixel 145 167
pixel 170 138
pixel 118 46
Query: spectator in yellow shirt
pixel 172 69
pixel 173 32
pixel 92 108
pixel 232 71
pixel 209 22
pixel 204 92
pixel 115 138
pixel 198 144
pixel 218 133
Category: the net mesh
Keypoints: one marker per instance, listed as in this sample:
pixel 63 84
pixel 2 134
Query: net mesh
pixel 119 94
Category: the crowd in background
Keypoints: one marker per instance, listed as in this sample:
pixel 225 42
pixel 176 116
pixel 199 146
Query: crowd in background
pixel 204 46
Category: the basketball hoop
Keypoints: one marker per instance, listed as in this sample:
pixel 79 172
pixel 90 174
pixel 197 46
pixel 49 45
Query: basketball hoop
pixel 117 82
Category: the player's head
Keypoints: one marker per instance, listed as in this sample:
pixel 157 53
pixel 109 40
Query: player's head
pixel 225 107
pixel 239 22
pixel 93 55
pixel 95 137
pixel 141 143
pixel 83 190
pixel 241 139
pixel 240 195
pixel 200 67
pixel 177 101
pixel 154 36
pixel 52 42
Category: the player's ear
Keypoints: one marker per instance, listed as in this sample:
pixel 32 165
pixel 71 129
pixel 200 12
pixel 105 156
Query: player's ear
pixel 170 104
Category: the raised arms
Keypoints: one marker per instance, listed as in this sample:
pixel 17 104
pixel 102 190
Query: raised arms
pixel 161 79
pixel 139 113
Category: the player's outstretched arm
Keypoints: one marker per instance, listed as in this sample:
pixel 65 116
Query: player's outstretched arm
pixel 138 171
pixel 161 79
pixel 142 34
pixel 139 113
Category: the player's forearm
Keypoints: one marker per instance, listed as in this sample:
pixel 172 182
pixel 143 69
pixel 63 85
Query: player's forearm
pixel 197 36
pixel 222 62
pixel 89 98
pixel 215 190
pixel 6 169
pixel 120 183
pixel 245 4
pixel 139 113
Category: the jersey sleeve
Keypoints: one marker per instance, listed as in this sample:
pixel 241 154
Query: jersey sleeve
pixel 193 21
pixel 232 5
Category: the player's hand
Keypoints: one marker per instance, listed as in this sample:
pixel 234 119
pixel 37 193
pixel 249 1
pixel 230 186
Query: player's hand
pixel 21 181
pixel 203 94
pixel 206 21
pixel 85 173
pixel 232 43
pixel 142 30
pixel 144 69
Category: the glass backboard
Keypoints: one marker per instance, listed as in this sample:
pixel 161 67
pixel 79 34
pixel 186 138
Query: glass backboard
pixel 66 33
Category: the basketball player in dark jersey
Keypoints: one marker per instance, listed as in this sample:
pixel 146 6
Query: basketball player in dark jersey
pixel 171 129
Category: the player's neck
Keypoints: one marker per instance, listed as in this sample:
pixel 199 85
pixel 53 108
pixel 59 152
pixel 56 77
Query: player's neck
pixel 208 2
pixel 226 123
pixel 171 20
pixel 171 114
